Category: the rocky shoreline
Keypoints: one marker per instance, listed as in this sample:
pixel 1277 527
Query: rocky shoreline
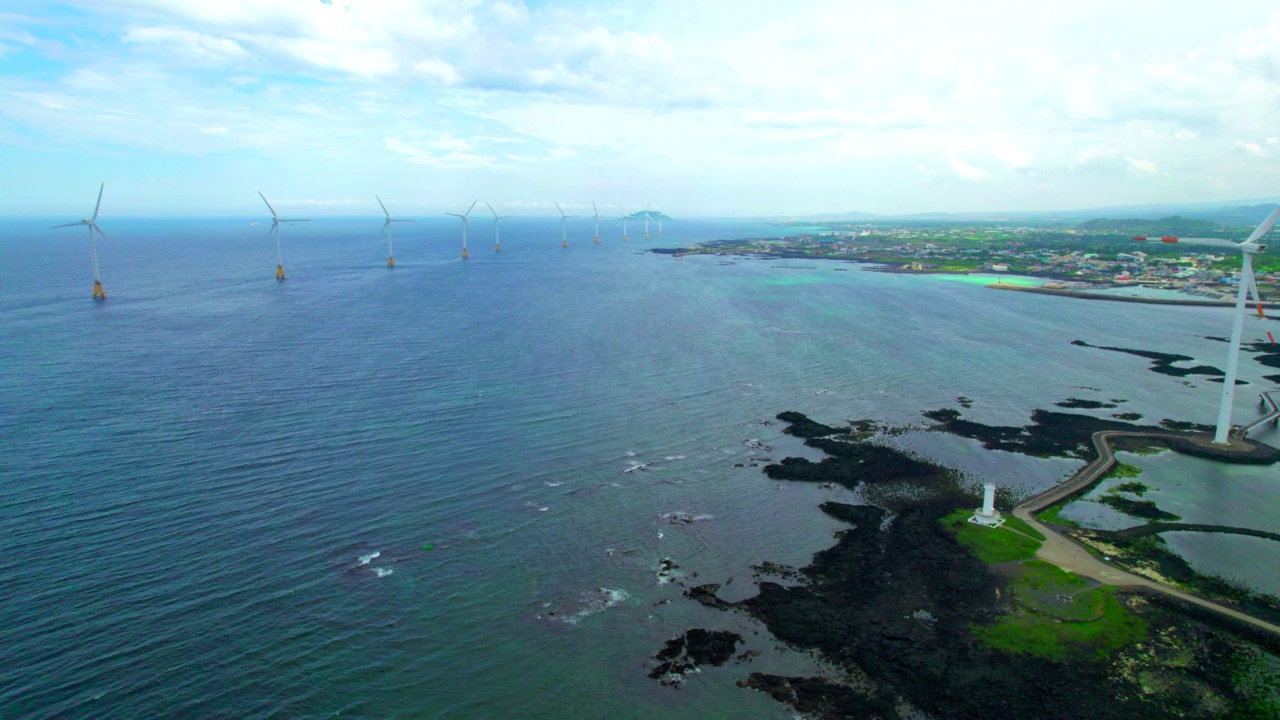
pixel 900 602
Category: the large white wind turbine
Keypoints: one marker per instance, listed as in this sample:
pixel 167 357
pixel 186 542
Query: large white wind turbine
pixel 564 230
pixel 275 226
pixel 463 217
pixel 624 223
pixel 1248 285
pixel 596 215
pixel 92 224
pixel 497 239
pixel 391 260
pixel 646 221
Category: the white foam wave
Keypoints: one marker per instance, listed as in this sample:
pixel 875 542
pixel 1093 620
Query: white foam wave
pixel 553 484
pixel 684 518
pixel 674 457
pixel 383 572
pixel 637 466
pixel 590 603
pixel 364 559
pixel 631 453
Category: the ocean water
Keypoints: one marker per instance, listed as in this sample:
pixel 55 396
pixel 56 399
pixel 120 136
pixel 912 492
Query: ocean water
pixel 216 489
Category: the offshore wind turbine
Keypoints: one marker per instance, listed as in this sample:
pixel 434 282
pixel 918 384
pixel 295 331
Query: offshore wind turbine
pixel 275 226
pixel 1248 285
pixel 564 230
pixel 497 240
pixel 596 215
pixel 646 221
pixel 391 260
pixel 463 217
pixel 92 224
pixel 624 224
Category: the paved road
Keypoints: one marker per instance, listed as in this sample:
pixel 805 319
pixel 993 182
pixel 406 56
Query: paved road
pixel 1070 555
pixel 1268 397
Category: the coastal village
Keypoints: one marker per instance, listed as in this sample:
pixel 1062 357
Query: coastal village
pixel 1071 256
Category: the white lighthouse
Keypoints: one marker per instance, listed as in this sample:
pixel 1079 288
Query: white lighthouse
pixel 987 515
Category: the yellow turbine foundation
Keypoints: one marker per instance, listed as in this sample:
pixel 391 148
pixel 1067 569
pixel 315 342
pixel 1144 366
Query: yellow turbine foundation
pixel 279 272
pixel 564 243
pixel 391 262
pixel 497 247
pixel 597 239
pixel 98 294
pixel 464 254
pixel 624 237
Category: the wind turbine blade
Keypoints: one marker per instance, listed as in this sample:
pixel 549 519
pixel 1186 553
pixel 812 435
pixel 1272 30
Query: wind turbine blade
pixel 595 209
pixel 94 226
pixel 1266 225
pixel 561 210
pixel 74 224
pixel 495 212
pixel 386 224
pixel 454 215
pixel 102 187
pixel 473 207
pixel 384 207
pixel 264 199
pixel 274 224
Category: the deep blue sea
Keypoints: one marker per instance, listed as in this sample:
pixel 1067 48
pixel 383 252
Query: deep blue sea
pixel 216 488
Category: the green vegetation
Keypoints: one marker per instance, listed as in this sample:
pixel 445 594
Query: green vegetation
pixel 1123 470
pixel 1051 515
pixel 1133 488
pixel 1021 526
pixel 1175 225
pixel 991 545
pixel 1144 509
pixel 1059 616
pixel 1256 677
pixel 1025 633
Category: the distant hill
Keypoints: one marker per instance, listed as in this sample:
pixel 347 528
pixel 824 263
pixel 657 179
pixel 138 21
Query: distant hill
pixel 653 215
pixel 1174 225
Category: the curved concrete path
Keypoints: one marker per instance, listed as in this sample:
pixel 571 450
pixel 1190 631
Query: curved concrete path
pixel 1069 555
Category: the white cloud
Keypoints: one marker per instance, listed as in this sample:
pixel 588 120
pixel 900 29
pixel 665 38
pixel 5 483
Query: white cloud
pixel 966 170
pixel 1252 148
pixel 439 69
pixel 199 47
pixel 445 153
pixel 716 99
pixel 1145 167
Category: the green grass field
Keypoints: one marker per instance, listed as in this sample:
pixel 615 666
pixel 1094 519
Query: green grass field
pixel 1024 633
pixel 991 545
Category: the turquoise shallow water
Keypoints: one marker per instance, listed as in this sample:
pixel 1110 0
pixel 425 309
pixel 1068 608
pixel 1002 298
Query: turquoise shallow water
pixel 217 488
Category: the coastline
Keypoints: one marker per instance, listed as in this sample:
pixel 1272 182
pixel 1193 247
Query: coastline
pixel 1086 295
pixel 904 601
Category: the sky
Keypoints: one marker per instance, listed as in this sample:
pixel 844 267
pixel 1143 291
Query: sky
pixel 707 108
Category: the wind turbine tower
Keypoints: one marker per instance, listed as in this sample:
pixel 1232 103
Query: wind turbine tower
pixel 646 221
pixel 92 245
pixel 596 215
pixel 275 226
pixel 391 260
pixel 463 217
pixel 1248 285
pixel 624 224
pixel 92 224
pixel 564 229
pixel 497 239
